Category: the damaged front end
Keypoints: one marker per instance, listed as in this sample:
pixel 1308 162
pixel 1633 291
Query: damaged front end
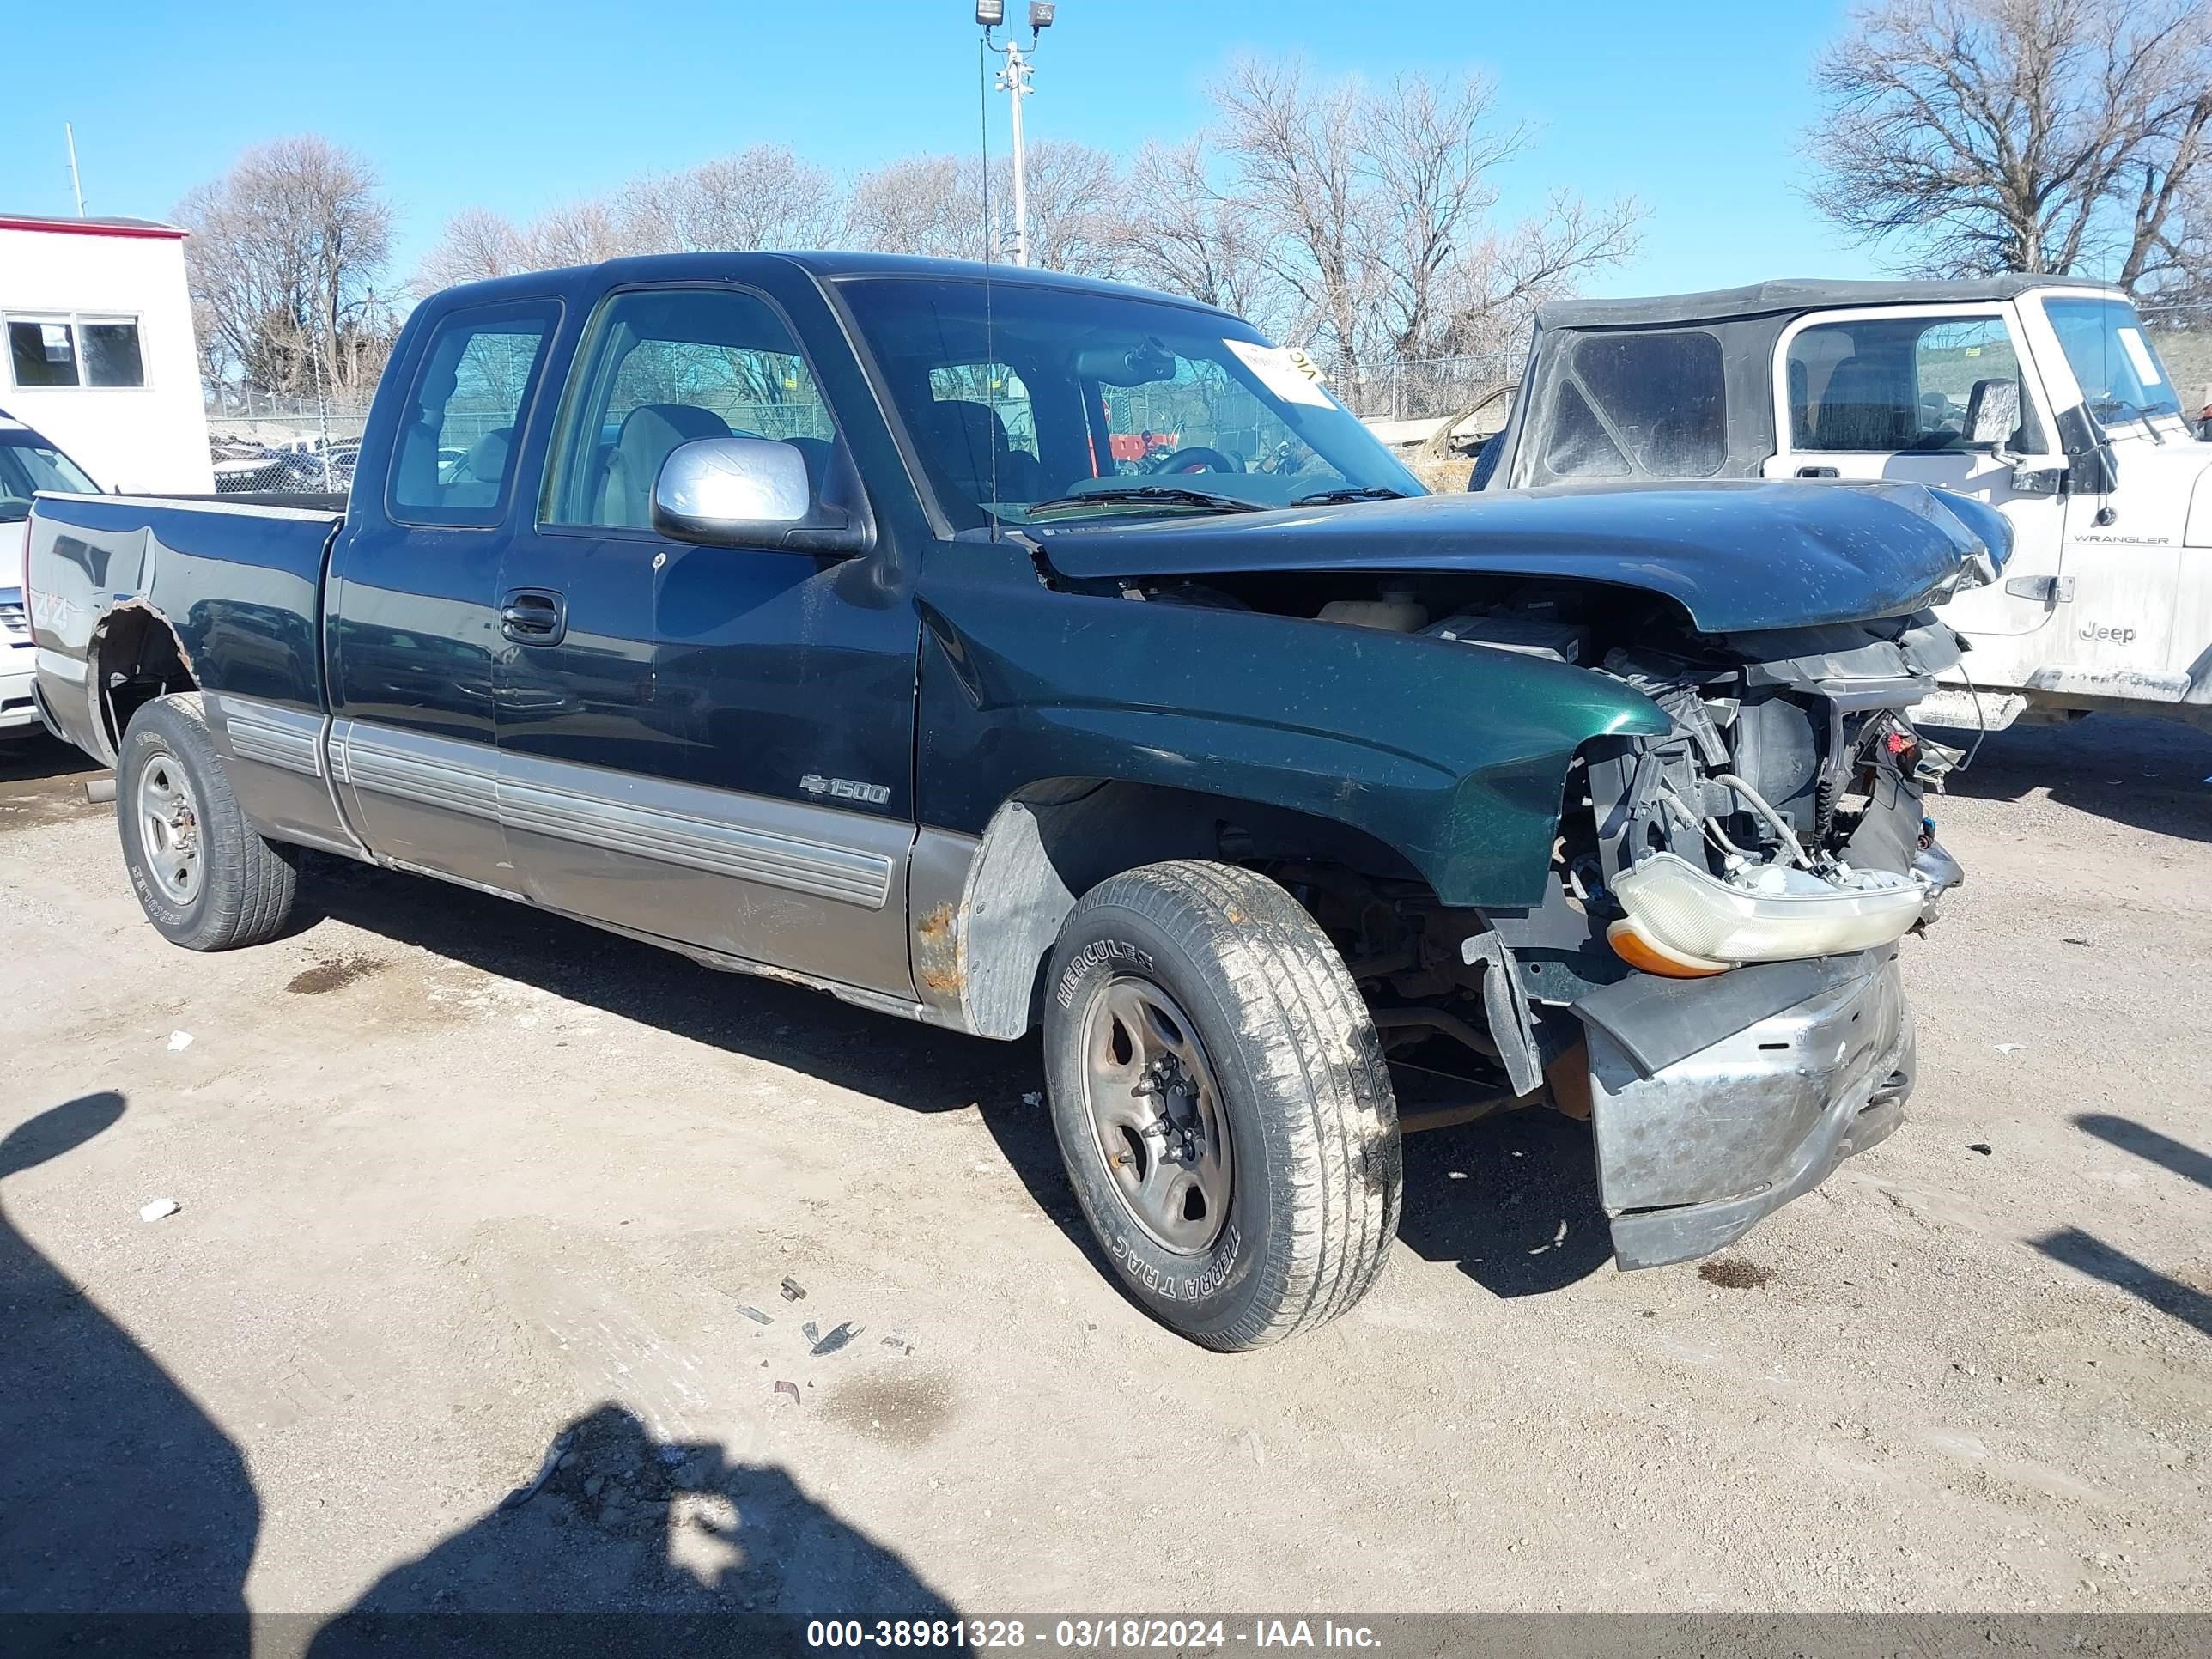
pixel 1725 924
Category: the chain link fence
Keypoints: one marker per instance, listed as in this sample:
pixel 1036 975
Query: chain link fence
pixel 1428 388
pixel 257 441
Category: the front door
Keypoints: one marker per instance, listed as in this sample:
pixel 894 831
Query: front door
pixel 413 644
pixel 2139 613
pixel 707 745
pixel 1891 393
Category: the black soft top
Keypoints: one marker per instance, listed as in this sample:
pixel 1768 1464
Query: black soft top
pixel 1791 294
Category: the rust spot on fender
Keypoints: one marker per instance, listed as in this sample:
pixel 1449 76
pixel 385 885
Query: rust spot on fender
pixel 937 951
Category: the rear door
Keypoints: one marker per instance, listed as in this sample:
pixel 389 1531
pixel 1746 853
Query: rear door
pixel 1890 392
pixel 412 609
pixel 707 745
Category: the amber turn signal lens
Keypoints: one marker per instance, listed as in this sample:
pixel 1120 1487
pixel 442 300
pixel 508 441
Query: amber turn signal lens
pixel 1640 952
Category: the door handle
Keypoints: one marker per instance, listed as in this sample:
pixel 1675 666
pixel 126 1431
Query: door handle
pixel 533 615
pixel 2052 590
pixel 1817 472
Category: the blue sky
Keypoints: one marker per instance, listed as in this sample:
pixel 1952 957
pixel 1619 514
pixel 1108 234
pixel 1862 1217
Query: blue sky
pixel 1693 108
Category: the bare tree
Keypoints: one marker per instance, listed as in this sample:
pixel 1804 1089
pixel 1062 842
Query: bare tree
pixel 286 251
pixel 478 244
pixel 762 197
pixel 1075 206
pixel 1981 136
pixel 475 244
pixel 929 204
pixel 1372 208
pixel 1179 233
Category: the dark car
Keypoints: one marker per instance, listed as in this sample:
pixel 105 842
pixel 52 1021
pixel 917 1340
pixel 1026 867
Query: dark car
pixel 1010 652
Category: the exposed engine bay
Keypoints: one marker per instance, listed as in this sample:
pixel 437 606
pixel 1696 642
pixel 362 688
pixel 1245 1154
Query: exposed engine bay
pixel 1781 818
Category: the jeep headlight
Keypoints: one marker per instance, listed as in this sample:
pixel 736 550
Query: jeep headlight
pixel 1685 923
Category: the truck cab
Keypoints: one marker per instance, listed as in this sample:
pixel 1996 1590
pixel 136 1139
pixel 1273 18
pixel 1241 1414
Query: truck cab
pixel 2040 396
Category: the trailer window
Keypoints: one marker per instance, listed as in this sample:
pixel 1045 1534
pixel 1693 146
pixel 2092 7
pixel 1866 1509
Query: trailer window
pixel 78 351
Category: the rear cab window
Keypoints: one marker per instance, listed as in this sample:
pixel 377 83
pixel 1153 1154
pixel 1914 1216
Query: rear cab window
pixel 461 426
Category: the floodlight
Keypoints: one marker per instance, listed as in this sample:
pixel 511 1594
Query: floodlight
pixel 990 13
pixel 1039 15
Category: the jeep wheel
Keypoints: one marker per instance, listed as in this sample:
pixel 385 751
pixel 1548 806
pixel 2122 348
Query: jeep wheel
pixel 1221 1102
pixel 204 876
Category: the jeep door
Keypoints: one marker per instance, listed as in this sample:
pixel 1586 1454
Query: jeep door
pixel 1891 392
pixel 2138 616
pixel 706 745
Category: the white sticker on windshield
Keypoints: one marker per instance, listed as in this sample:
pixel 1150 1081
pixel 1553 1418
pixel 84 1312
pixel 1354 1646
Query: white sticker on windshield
pixel 2131 342
pixel 1287 371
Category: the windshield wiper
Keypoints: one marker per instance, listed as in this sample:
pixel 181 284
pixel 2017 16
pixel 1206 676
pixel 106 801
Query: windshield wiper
pixel 2098 406
pixel 1351 492
pixel 1165 494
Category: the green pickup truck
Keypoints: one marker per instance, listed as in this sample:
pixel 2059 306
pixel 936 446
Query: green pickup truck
pixel 1016 652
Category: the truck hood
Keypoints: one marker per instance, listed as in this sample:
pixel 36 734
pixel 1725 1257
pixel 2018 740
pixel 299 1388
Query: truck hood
pixel 1738 556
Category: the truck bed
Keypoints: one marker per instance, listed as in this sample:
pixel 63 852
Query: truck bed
pixel 238 582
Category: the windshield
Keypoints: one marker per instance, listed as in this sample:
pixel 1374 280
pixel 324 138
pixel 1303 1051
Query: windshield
pixel 1022 399
pixel 2121 377
pixel 28 463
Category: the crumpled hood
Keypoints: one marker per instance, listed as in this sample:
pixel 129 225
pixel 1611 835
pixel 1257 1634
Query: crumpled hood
pixel 1738 556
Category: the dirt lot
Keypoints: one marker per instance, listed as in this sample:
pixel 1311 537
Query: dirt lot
pixel 456 1181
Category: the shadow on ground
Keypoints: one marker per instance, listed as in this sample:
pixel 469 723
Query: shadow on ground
pixel 2086 1253
pixel 917 1066
pixel 1520 1178
pixel 625 1522
pixel 36 758
pixel 1512 1198
pixel 2146 774
pixel 42 782
pixel 117 1494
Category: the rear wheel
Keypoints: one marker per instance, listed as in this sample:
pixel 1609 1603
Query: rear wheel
pixel 1221 1102
pixel 205 877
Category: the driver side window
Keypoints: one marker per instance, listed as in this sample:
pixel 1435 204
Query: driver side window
pixel 664 366
pixel 1908 385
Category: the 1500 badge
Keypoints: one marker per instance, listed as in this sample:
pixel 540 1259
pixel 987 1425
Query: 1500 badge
pixel 874 794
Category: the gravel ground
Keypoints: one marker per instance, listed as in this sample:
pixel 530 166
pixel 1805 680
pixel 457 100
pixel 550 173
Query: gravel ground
pixel 467 1194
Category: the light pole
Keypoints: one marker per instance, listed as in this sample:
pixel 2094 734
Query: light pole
pixel 1014 81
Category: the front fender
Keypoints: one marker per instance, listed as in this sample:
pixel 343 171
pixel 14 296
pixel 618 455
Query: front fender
pixel 1452 755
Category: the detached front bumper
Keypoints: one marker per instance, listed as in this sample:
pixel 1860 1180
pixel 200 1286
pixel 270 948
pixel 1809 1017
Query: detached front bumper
pixel 1716 1101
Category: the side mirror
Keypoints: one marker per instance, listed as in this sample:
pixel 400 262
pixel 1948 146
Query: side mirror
pixel 1993 413
pixel 748 492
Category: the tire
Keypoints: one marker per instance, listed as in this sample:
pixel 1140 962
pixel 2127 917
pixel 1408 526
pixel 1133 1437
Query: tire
pixel 243 885
pixel 1303 1205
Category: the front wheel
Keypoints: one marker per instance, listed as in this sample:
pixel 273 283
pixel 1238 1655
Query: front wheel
pixel 205 877
pixel 1221 1102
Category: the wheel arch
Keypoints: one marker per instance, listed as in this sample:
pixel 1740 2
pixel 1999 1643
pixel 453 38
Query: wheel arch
pixel 988 910
pixel 133 656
